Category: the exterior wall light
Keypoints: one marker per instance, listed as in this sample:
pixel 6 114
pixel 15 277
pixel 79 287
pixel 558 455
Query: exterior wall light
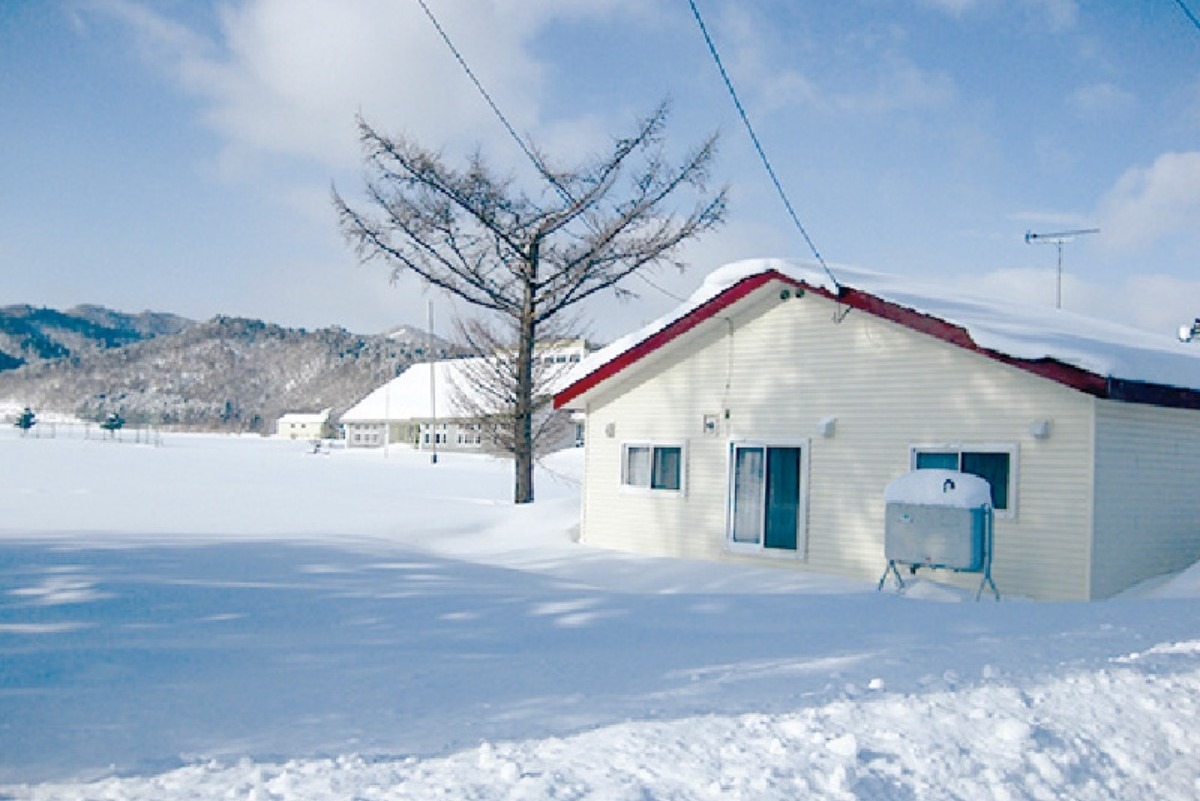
pixel 826 426
pixel 1039 429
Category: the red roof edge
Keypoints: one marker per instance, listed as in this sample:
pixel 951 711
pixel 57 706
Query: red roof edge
pixel 1052 369
pixel 705 311
pixel 1069 375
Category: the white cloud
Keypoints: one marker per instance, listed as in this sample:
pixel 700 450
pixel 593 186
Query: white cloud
pixel 1101 100
pixel 1155 302
pixel 869 74
pixel 1055 156
pixel 288 76
pixel 1188 101
pixel 297 71
pixel 1147 204
pixel 955 8
pixel 1053 15
pixel 1059 220
pixel 900 85
pixel 1056 15
pixel 165 43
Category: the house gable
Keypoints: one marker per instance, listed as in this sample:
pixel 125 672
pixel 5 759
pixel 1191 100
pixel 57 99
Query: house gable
pixel 855 398
pixel 850 300
pixel 856 389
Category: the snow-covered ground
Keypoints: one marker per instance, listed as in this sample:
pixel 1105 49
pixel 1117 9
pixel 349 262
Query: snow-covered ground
pixel 238 618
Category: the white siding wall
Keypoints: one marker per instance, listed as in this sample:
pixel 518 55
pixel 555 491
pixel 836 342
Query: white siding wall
pixel 669 409
pixel 1147 493
pixel 889 388
pixel 288 429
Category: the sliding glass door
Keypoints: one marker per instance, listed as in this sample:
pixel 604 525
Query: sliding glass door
pixel 767 497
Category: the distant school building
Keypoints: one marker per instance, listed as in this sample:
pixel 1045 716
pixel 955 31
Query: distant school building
pixel 446 404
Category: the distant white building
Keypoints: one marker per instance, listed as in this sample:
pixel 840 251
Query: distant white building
pixel 305 425
pixel 442 404
pixel 417 408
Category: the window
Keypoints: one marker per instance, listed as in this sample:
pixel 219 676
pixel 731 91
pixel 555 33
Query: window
pixel 767 498
pixel 993 464
pixel 655 467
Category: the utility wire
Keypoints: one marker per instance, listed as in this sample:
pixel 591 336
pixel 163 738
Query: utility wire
pixel 537 163
pixel 541 168
pixel 712 48
pixel 1189 13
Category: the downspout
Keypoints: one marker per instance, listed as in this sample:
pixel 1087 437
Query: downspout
pixel 726 424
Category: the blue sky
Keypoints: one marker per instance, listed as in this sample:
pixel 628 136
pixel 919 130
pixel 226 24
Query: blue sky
pixel 177 155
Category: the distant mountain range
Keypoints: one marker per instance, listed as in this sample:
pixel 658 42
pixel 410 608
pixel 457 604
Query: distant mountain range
pixel 161 369
pixel 29 335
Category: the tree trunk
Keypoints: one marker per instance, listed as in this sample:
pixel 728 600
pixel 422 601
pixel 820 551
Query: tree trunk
pixel 523 419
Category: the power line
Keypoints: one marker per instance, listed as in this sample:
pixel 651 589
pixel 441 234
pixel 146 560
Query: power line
pixel 660 288
pixel 712 48
pixel 1189 13
pixel 541 168
pixel 537 163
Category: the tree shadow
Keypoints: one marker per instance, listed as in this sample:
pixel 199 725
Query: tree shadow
pixel 177 653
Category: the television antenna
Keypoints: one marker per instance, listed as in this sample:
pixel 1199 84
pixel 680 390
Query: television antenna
pixel 1058 239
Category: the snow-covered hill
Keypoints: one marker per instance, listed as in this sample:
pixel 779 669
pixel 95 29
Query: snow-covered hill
pixel 30 335
pixel 226 373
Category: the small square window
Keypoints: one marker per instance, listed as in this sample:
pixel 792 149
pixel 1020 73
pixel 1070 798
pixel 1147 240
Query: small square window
pixel 655 467
pixel 994 466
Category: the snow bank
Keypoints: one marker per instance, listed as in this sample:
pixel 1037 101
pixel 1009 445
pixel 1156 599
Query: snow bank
pixel 1118 733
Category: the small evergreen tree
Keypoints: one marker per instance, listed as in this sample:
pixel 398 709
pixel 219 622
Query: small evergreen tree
pixel 26 420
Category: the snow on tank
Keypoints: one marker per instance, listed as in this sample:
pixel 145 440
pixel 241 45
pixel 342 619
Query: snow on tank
pixel 936 487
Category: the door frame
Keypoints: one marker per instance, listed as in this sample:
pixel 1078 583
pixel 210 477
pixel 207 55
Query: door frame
pixel 760 548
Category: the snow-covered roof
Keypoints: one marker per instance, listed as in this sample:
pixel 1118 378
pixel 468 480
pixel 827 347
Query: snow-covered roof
pixel 1095 352
pixel 408 397
pixel 307 418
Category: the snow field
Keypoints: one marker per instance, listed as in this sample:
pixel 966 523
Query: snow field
pixel 1070 737
pixel 226 618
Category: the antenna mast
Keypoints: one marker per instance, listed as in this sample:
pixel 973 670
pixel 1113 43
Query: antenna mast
pixel 1058 239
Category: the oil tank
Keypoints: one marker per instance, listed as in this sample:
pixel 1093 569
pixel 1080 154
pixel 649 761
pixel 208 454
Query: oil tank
pixel 938 518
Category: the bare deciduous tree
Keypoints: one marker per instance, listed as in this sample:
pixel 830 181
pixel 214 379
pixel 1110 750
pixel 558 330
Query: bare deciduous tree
pixel 486 391
pixel 529 257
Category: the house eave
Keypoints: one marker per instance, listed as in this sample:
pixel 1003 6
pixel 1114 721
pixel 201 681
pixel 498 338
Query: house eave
pixel 1099 386
pixel 635 353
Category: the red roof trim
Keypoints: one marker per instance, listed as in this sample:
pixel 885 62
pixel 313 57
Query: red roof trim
pixel 704 311
pixel 1052 369
pixel 1069 375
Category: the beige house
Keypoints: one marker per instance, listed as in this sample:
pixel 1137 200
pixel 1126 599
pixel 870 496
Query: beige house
pixel 304 425
pixel 763 421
